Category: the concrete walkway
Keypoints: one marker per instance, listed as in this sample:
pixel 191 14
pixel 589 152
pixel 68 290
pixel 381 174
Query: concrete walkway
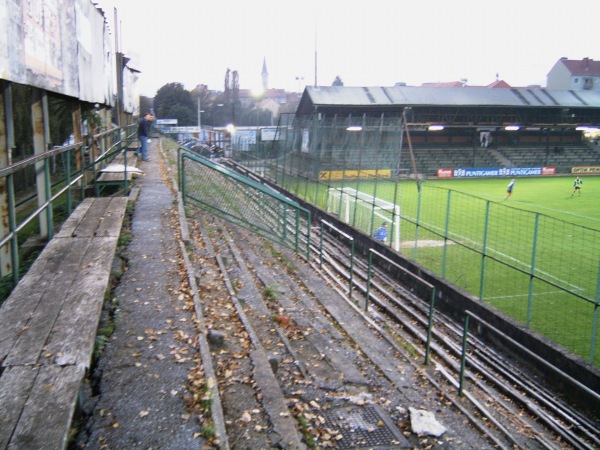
pixel 140 399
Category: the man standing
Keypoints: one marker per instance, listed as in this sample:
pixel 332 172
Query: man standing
pixel 577 186
pixel 143 133
pixel 509 189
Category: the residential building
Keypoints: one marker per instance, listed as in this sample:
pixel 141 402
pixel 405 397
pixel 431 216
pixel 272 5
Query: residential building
pixel 576 75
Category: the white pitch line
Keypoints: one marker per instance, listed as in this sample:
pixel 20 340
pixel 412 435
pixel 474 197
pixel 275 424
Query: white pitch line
pixel 595 219
pixel 522 295
pixel 508 257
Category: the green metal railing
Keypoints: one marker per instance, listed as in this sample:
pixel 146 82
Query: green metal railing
pixel 350 239
pixel 238 199
pixel 50 199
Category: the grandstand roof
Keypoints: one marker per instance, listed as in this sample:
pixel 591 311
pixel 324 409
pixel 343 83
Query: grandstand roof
pixel 314 98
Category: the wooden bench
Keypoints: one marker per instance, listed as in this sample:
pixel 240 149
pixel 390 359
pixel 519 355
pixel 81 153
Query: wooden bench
pixel 48 327
pixel 124 170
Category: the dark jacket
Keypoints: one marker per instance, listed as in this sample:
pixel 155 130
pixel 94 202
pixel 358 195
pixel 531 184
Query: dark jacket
pixel 144 127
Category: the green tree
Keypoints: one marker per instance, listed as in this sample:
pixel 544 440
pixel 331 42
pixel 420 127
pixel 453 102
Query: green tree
pixel 254 117
pixel 172 101
pixel 146 104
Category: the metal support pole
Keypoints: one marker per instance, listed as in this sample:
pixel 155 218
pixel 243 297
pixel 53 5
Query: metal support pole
pixel 182 188
pixel 321 248
pixel 12 223
pixel 351 239
pixel 484 250
pixel 463 357
pixel 532 271
pixel 430 325
pixel 369 279
pixel 595 322
pixel 125 181
pixel 419 195
pixel 410 148
pixel 351 267
pixel 69 196
pixel 446 229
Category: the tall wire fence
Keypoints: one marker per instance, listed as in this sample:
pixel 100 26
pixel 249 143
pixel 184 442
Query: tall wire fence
pixel 238 199
pixel 541 271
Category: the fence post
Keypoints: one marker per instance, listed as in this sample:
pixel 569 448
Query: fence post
pixel 447 226
pixel 68 174
pixel 484 249
pixel 351 266
pixel 308 231
pixel 595 324
pixel 12 226
pixel 396 239
pixel 463 357
pixel 369 279
pixel 48 188
pixel 125 182
pixel 317 180
pixel 179 171
pixel 321 247
pixel 417 224
pixel 182 172
pixel 532 271
pixel 430 325
pixel 81 155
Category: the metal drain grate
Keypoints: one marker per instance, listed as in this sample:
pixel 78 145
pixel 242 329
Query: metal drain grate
pixel 364 427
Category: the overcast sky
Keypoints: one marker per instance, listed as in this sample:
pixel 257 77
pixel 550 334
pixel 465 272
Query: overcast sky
pixel 365 43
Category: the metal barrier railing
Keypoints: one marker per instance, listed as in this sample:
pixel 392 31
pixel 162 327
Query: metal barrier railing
pixel 236 198
pixel 502 336
pixel 414 277
pixel 351 255
pixel 60 173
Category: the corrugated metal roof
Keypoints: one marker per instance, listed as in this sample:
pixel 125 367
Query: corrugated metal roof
pixel 400 96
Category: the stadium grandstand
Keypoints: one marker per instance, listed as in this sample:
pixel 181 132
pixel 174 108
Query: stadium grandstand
pixel 449 129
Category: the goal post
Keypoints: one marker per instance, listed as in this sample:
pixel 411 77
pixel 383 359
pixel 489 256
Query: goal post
pixel 365 212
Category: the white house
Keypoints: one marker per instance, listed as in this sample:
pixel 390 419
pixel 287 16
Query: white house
pixel 576 75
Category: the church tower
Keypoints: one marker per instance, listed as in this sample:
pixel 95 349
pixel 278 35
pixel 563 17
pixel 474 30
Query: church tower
pixel 265 76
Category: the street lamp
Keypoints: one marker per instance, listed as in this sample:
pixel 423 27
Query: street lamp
pixel 299 79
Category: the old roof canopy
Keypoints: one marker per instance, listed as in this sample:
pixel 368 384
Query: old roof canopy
pixel 568 106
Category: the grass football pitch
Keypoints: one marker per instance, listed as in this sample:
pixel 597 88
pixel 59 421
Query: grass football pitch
pixel 560 245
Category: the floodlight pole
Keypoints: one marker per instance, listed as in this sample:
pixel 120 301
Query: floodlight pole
pixel 412 155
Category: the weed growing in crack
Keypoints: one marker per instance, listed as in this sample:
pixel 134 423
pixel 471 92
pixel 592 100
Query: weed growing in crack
pixel 305 430
pixel 281 257
pixel 269 293
pixel 208 431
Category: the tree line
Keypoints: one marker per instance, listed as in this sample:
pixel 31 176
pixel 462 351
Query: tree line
pixel 218 108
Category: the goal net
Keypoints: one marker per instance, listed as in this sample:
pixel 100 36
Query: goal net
pixel 365 212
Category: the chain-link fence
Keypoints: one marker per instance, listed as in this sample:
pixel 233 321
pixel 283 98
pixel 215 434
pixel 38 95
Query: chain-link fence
pixel 227 194
pixel 541 271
